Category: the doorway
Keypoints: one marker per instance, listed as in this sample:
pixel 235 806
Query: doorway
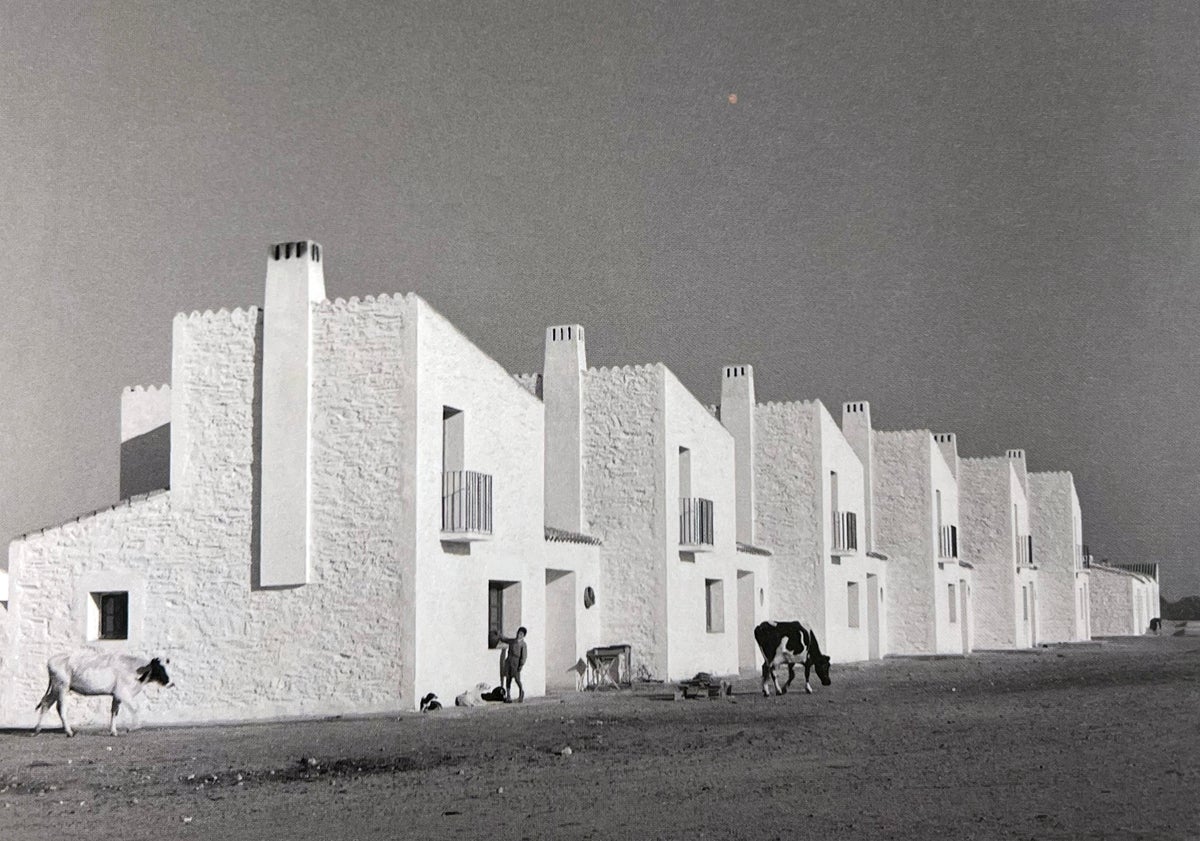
pixel 561 654
pixel 747 648
pixel 874 649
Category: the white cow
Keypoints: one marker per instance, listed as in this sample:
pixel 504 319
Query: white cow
pixel 122 676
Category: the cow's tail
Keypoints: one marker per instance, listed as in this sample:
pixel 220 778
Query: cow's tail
pixel 48 698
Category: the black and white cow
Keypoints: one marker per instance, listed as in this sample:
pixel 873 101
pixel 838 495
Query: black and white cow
pixel 791 643
pixel 122 676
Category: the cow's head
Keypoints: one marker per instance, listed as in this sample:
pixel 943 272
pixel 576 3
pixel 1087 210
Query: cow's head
pixel 820 664
pixel 154 671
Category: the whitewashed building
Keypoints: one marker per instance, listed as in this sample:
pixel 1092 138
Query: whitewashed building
pixel 916 522
pixel 354 501
pixel 635 460
pixel 812 511
pixel 1124 598
pixel 1056 525
pixel 994 516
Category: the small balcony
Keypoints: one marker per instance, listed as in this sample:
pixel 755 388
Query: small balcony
pixel 948 543
pixel 1024 550
pixel 695 524
pixel 845 532
pixel 466 506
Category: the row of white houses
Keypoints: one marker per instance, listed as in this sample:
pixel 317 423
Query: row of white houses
pixel 335 504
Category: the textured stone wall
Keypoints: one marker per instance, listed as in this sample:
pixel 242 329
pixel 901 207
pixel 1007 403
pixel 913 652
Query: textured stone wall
pixel 985 502
pixel 625 506
pixel 1112 596
pixel 1053 518
pixel 904 532
pixel 790 509
pixel 120 548
pixel 359 603
pixel 691 646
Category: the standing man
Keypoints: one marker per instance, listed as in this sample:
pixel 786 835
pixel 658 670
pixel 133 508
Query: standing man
pixel 518 651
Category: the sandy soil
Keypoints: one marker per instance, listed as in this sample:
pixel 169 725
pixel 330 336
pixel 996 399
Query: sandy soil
pixel 1072 742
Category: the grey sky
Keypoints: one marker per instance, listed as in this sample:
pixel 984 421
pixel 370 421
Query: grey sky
pixel 982 218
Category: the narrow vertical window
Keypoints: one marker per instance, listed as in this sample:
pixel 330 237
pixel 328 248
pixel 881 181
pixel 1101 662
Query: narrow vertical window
pixel 852 604
pixel 714 605
pixel 953 603
pixel 685 472
pixel 453 444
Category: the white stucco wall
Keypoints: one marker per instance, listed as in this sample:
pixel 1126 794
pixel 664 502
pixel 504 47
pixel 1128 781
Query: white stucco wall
pixel 951 638
pixel 910 471
pixel 1055 523
pixel 691 646
pixel 584 561
pixel 842 641
pixel 503 437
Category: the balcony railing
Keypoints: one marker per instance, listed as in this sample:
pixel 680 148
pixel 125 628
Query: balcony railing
pixel 948 542
pixel 845 532
pixel 696 524
pixel 466 505
pixel 1025 550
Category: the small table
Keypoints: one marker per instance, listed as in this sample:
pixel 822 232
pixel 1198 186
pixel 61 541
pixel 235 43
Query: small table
pixel 608 667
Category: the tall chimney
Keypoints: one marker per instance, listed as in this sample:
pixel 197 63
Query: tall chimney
pixel 562 395
pixel 947 442
pixel 856 426
pixel 1017 458
pixel 737 415
pixel 295 280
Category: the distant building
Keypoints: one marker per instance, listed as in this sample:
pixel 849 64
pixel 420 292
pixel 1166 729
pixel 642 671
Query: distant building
pixel 812 512
pixel 657 487
pixel 1124 598
pixel 994 515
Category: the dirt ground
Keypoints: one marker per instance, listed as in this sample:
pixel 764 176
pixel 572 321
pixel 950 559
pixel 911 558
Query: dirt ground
pixel 1070 742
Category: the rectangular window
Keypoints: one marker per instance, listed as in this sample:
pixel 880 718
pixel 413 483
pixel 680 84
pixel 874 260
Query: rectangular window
pixel 453 443
pixel 953 604
pixel 113 610
pixel 852 611
pixel 504 610
pixel 685 472
pixel 714 605
pixel 1024 602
